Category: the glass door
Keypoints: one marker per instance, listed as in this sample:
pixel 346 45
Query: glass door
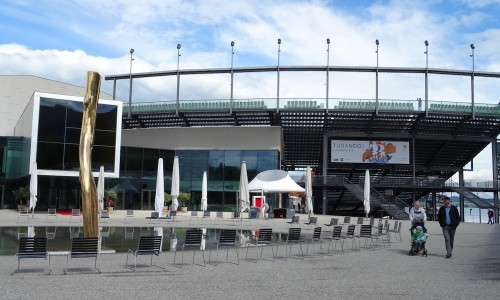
pixel 148 199
pixel 1 196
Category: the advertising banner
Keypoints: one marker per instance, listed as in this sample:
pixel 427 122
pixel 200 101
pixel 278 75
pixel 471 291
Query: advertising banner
pixel 374 152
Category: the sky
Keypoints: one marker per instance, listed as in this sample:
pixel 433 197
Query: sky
pixel 63 39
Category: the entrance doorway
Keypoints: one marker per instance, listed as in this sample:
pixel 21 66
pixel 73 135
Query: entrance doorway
pixel 1 196
pixel 148 199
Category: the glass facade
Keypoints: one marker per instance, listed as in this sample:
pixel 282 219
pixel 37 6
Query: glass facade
pixel 59 129
pixel 138 167
pixel 137 183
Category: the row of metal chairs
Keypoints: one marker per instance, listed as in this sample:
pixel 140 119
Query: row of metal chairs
pixel 302 104
pixel 370 105
pixel 194 239
pixel 197 105
pixel 459 108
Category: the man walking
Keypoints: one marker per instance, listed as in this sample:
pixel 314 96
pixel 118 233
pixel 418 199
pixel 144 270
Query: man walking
pixel 448 218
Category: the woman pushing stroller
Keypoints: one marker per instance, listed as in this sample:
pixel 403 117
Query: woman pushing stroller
pixel 418 217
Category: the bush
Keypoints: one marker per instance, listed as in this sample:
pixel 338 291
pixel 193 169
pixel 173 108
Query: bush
pixel 22 194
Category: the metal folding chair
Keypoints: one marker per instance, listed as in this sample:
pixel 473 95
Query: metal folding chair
pixel 227 239
pixel 51 212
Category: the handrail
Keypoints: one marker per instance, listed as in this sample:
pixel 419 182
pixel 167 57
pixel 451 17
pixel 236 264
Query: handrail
pixel 393 204
pixel 408 105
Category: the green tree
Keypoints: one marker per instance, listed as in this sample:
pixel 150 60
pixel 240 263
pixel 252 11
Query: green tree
pixel 184 198
pixel 22 194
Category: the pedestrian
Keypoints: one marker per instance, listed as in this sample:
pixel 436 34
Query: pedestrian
pixel 490 216
pixel 448 218
pixel 417 216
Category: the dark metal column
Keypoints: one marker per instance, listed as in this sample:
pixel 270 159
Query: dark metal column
pixel 461 184
pixel 495 165
pixel 325 173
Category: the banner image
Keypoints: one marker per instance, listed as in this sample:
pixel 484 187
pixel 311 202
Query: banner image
pixel 373 152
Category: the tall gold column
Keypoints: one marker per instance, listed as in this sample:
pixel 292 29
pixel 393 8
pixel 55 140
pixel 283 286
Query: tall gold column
pixel 89 192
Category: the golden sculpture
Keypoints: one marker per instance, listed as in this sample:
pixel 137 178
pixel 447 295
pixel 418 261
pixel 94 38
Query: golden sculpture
pixel 89 192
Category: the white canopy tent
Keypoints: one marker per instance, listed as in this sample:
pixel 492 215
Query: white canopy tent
pixel 274 181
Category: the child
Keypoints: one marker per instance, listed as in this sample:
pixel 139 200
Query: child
pixel 418 236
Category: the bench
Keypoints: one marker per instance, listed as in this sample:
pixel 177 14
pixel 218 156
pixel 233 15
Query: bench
pixel 83 248
pixel 148 245
pixel 31 248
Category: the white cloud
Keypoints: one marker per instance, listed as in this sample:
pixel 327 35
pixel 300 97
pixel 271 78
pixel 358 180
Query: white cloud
pixel 100 34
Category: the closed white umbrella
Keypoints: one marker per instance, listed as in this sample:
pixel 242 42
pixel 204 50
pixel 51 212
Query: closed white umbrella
pixel 366 200
pixel 175 184
pixel 203 238
pixel 100 188
pixel 31 231
pixel 244 192
pixel 160 189
pixel 33 188
pixel 204 188
pixel 309 201
pixel 173 240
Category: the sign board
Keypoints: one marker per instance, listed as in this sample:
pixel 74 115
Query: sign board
pixel 258 201
pixel 373 152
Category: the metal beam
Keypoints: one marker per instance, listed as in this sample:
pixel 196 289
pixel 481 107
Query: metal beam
pixel 305 69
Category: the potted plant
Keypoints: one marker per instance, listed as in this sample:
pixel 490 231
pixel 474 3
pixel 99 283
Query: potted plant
pixel 168 201
pixel 110 198
pixel 22 194
pixel 183 199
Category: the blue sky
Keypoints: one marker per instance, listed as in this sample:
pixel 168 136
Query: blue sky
pixel 62 39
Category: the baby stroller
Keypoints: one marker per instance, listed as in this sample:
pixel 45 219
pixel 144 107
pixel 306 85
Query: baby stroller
pixel 418 242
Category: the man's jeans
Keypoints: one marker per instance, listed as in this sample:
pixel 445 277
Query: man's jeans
pixel 449 236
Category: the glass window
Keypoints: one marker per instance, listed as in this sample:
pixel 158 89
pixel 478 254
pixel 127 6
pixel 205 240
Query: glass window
pixel 251 159
pixel 185 166
pixel 72 157
pixel 216 165
pixel 232 165
pixel 268 160
pixel 150 163
pixel 106 117
pixel 49 155
pixel 75 114
pixel 104 156
pixel 134 162
pixel 51 120
pixel 199 164
pixel 104 137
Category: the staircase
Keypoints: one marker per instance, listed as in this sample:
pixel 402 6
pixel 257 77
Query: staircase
pixel 480 202
pixel 393 207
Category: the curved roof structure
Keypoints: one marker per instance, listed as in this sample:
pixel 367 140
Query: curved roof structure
pixel 274 181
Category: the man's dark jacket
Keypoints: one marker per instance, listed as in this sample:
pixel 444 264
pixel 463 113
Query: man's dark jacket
pixel 454 216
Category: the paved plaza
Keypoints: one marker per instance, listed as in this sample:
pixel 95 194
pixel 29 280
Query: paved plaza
pixel 385 273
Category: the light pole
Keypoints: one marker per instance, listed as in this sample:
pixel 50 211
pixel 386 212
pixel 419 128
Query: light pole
pixel 426 43
pixel 376 80
pixel 278 89
pixel 232 57
pixel 178 79
pixel 472 47
pixel 327 71
pixel 130 85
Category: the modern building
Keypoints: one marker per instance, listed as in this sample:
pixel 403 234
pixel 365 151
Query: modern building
pixel 44 127
pixel 411 148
